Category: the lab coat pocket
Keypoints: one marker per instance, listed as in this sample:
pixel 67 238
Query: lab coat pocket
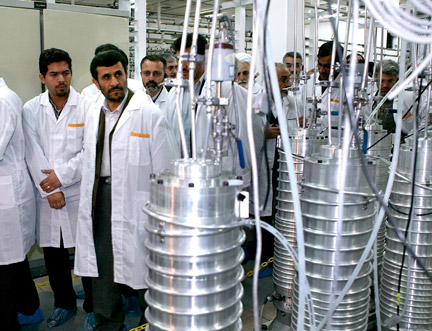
pixel 7 196
pixel 75 139
pixel 139 149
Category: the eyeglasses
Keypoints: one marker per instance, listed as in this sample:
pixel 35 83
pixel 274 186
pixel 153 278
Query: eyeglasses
pixel 155 73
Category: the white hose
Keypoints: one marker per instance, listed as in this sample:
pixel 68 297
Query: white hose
pixel 293 182
pixel 294 256
pixel 345 152
pixel 376 228
pixel 254 168
pixel 404 29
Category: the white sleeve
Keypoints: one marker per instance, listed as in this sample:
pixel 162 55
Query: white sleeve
pixel 35 156
pixel 8 120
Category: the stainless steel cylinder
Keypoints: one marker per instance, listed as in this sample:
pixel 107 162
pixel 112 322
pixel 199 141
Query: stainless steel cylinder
pixel 380 145
pixel 304 142
pixel 333 250
pixel 194 244
pixel 415 310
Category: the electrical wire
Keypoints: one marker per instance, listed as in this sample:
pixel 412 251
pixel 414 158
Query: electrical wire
pixel 375 189
pixel 279 236
pixel 384 208
pixel 411 210
pixel 404 115
pixel 293 184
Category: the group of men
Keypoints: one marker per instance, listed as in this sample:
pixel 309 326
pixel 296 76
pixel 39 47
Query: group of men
pixel 75 169
pixel 90 159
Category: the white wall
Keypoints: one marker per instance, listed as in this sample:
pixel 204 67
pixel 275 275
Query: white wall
pixel 19 43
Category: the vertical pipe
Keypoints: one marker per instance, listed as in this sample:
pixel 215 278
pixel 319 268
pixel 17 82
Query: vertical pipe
pixel 179 79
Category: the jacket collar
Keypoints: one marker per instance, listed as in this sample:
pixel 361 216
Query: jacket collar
pixel 72 99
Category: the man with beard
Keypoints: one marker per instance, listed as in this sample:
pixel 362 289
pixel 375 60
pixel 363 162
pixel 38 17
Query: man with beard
pixel 243 71
pixel 318 86
pixel 126 139
pixel 387 74
pixel 92 92
pixel 53 124
pixel 153 74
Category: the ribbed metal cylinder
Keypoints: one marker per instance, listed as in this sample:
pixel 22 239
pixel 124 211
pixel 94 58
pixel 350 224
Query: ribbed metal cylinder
pixel 415 287
pixel 333 250
pixel 379 145
pixel 304 142
pixel 194 247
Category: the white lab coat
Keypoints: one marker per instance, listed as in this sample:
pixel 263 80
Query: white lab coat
pixel 162 101
pixel 231 162
pixel 93 94
pixel 17 202
pixel 55 144
pixel 140 147
pixel 288 107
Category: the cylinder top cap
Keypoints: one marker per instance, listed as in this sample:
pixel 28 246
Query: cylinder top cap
pixel 196 169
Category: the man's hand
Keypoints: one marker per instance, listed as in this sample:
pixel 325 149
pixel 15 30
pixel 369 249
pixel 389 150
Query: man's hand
pixel 273 132
pixel 50 183
pixel 57 200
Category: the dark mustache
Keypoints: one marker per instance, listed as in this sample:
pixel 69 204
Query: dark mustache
pixel 115 88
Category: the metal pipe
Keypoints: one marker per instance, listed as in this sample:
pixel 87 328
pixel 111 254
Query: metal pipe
pixel 179 80
pixel 192 65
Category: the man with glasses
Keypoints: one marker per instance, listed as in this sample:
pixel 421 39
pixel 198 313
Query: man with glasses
pixel 321 78
pixel 171 66
pixel 288 61
pixel 243 71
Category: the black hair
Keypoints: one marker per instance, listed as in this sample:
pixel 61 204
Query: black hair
pixel 106 59
pixel 291 54
pixel 110 47
pixel 201 43
pixel 155 58
pixel 51 55
pixel 326 49
pixel 362 59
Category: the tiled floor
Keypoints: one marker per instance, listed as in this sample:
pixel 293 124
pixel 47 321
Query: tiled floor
pixel 77 321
